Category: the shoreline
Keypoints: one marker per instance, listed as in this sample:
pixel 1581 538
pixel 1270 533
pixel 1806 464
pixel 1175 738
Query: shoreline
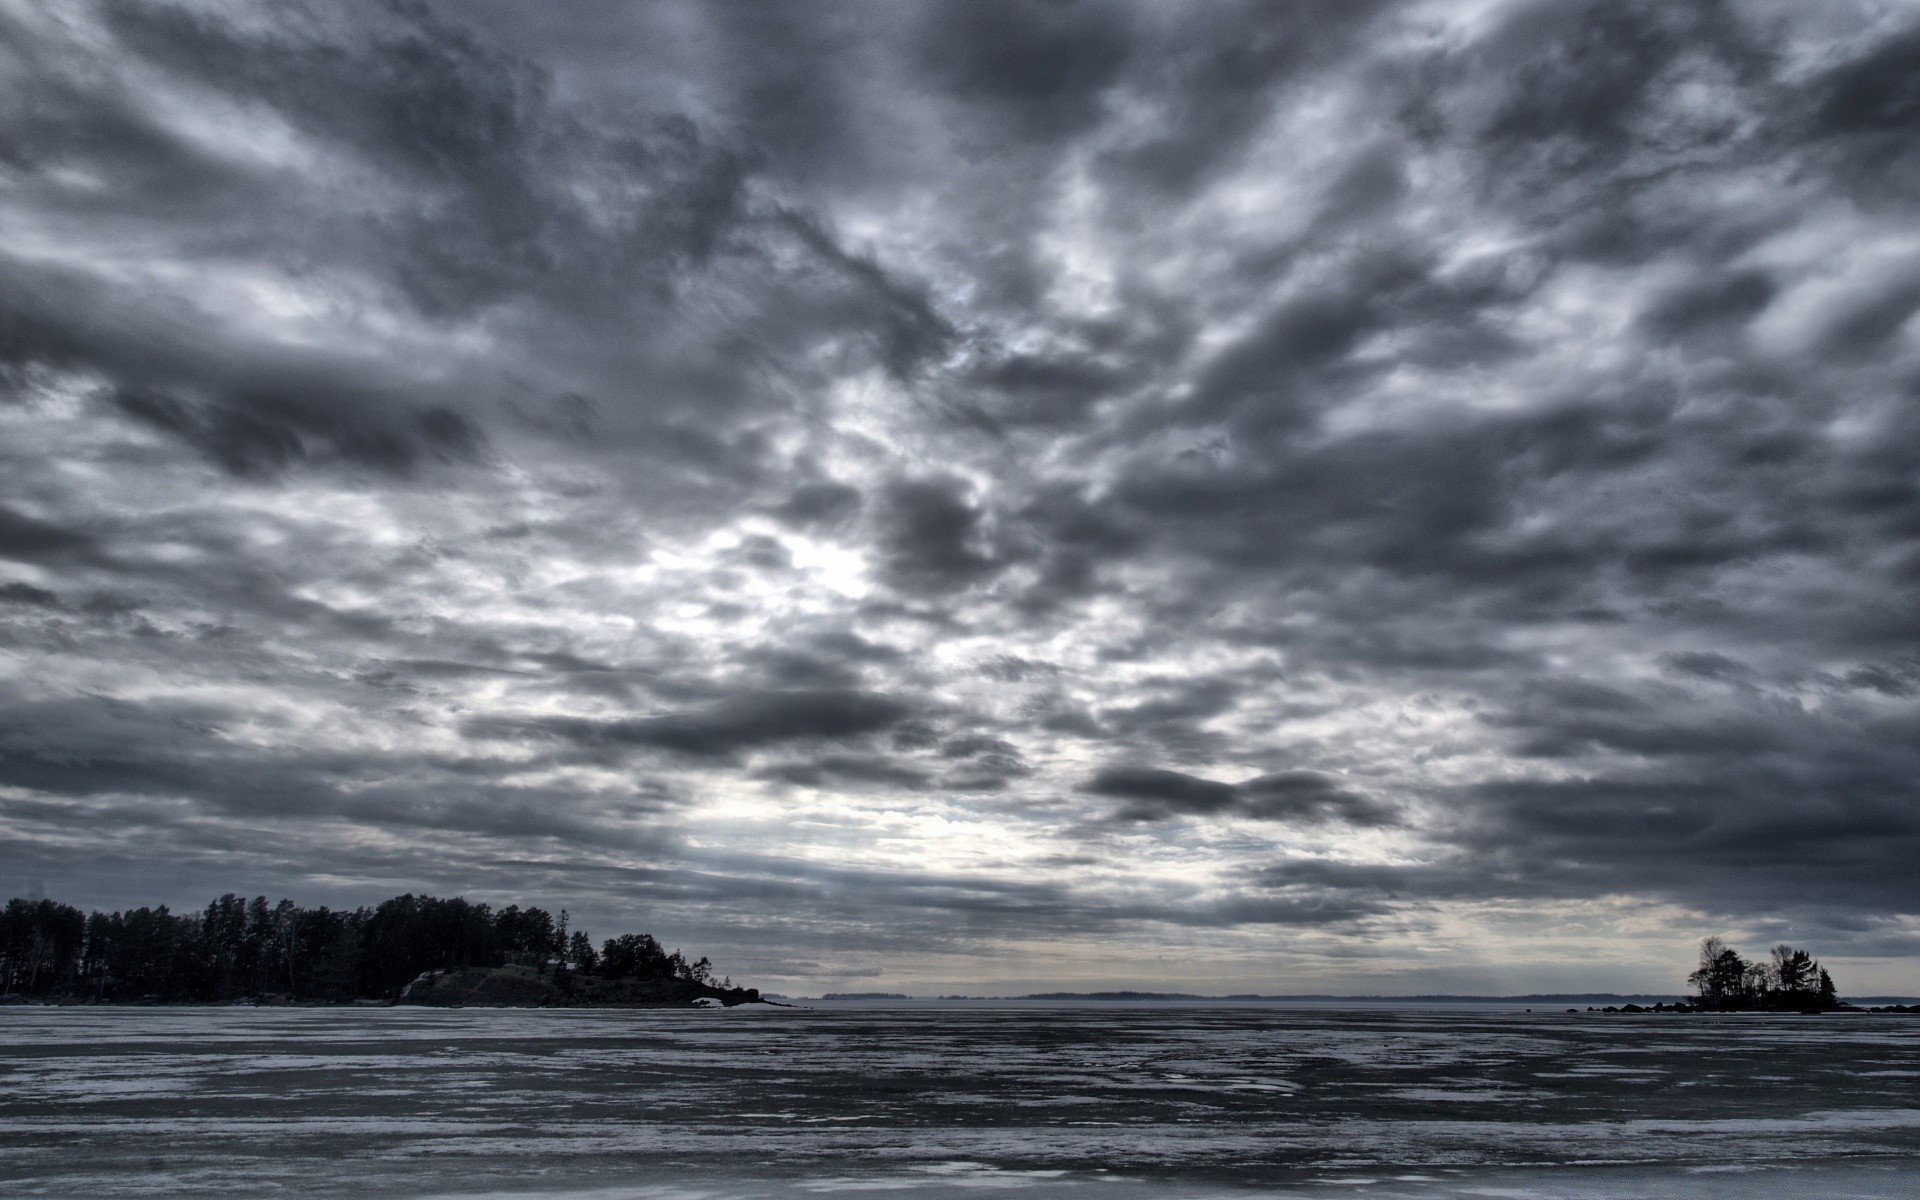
pixel 1013 1003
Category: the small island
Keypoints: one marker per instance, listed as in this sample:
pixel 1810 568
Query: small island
pixel 1790 980
pixel 407 950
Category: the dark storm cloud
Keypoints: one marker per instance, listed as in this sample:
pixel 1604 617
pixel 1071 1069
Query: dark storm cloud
pixel 27 538
pixel 264 431
pixel 1156 794
pixel 468 129
pixel 26 593
pixel 175 766
pixel 250 408
pixel 1757 811
pixel 907 330
pixel 818 502
pixel 1827 803
pixel 1152 794
pixel 1046 391
pixel 469 191
pixel 847 770
pixel 741 722
pixel 1039 68
pixel 1485 433
pixel 932 537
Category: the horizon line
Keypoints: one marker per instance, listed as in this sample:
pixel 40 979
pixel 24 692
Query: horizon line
pixel 1541 997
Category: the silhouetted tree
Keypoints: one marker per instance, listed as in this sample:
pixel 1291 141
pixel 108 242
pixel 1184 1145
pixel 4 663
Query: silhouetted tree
pixel 223 938
pixel 1792 970
pixel 238 948
pixel 525 936
pixel 634 954
pixel 1791 979
pixel 580 952
pixel 1720 978
pixel 408 935
pixel 40 944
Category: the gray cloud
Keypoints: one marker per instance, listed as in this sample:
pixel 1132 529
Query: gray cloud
pixel 29 539
pixel 737 723
pixel 1152 794
pixel 932 536
pixel 565 440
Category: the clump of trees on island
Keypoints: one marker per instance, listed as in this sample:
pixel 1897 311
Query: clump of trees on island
pixel 1789 980
pixel 240 949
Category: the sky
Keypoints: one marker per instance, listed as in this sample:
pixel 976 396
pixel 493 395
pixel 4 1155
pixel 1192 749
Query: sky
pixel 986 496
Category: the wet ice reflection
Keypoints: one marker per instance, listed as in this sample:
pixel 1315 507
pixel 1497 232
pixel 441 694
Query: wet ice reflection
pixel 124 1102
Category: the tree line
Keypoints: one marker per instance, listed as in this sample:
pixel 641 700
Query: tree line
pixel 1789 979
pixel 238 949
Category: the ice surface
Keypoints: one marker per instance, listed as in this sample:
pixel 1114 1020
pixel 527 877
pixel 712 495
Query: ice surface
pixel 1088 1102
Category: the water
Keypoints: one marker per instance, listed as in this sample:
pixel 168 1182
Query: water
pixel 930 1102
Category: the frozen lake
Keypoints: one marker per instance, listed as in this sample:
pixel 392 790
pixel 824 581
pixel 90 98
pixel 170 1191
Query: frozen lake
pixel 1092 1100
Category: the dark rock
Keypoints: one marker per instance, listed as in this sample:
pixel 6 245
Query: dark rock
pixel 499 987
pixel 526 987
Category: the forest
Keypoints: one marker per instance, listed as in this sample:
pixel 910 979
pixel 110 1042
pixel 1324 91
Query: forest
pixel 239 949
pixel 1788 980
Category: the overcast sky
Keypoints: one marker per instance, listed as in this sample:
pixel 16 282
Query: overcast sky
pixel 1271 496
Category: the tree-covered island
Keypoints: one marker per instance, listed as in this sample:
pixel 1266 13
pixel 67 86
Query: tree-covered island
pixel 1789 980
pixel 409 950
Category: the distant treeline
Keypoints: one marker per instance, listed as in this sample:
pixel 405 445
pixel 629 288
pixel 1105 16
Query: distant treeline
pixel 240 949
pixel 1789 980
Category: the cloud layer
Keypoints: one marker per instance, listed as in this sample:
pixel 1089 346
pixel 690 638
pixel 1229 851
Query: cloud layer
pixel 867 486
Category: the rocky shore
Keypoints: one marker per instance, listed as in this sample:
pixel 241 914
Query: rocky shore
pixel 1837 1006
pixel 524 987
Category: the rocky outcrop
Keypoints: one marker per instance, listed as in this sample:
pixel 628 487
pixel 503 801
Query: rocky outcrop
pixel 499 987
pixel 526 987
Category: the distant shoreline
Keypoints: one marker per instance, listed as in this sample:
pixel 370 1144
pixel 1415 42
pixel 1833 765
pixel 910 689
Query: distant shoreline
pixel 1596 1002
pixel 1124 997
